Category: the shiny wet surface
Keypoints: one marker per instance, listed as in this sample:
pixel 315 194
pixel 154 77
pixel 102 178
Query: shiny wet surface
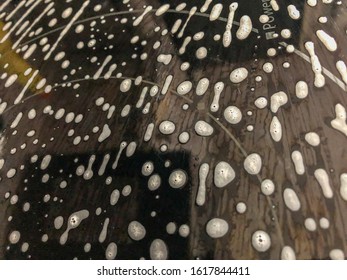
pixel 97 86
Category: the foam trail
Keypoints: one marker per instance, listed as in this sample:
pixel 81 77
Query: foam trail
pixel 66 29
pixel 45 11
pixel 21 94
pixel 15 10
pixel 20 21
pixel 4 5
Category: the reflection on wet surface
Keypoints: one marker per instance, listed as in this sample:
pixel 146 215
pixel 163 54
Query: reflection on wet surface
pixel 173 130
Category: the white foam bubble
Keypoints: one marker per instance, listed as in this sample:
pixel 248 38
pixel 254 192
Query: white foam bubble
pixel 147 168
pixel 343 186
pixel 184 87
pixel 261 241
pixel 341 67
pixel 268 67
pixel 216 11
pixel 274 5
pixel 323 19
pixel 167 127
pixel 105 133
pixel 114 197
pixel 191 13
pixel 171 228
pixel 278 99
pixel 217 228
pixel 245 27
pixel 238 75
pixel 286 33
pixel 223 174
pixel 111 251
pixel 328 41
pixel 136 230
pixel 148 132
pixel 201 195
pixel 293 12
pixel 185 43
pixel 323 179
pixel 312 138
pixel 202 128
pixel 271 52
pixel 204 7
pixel 301 89
pixel 178 179
pixel 232 114
pixel 324 223
pixel 218 88
pixel 164 58
pixel 162 10
pixel 138 20
pixel 125 85
pixel 319 80
pixel 184 230
pixel 158 250
pixel 198 36
pixel 298 162
pixel 253 163
pixel 11 173
pixel 11 80
pixel 184 137
pixel 264 19
pixel 260 102
pixel 131 149
pixel 154 182
pixel 241 207
pixel 167 84
pixel 16 120
pixel 58 222
pixel 267 187
pixel 291 199
pixel 202 86
pixel 276 129
pixel 227 33
pixel 45 162
pixel 310 224
pixel 288 253
pixel 74 221
pixel 337 254
pixel 14 237
pixel 201 53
